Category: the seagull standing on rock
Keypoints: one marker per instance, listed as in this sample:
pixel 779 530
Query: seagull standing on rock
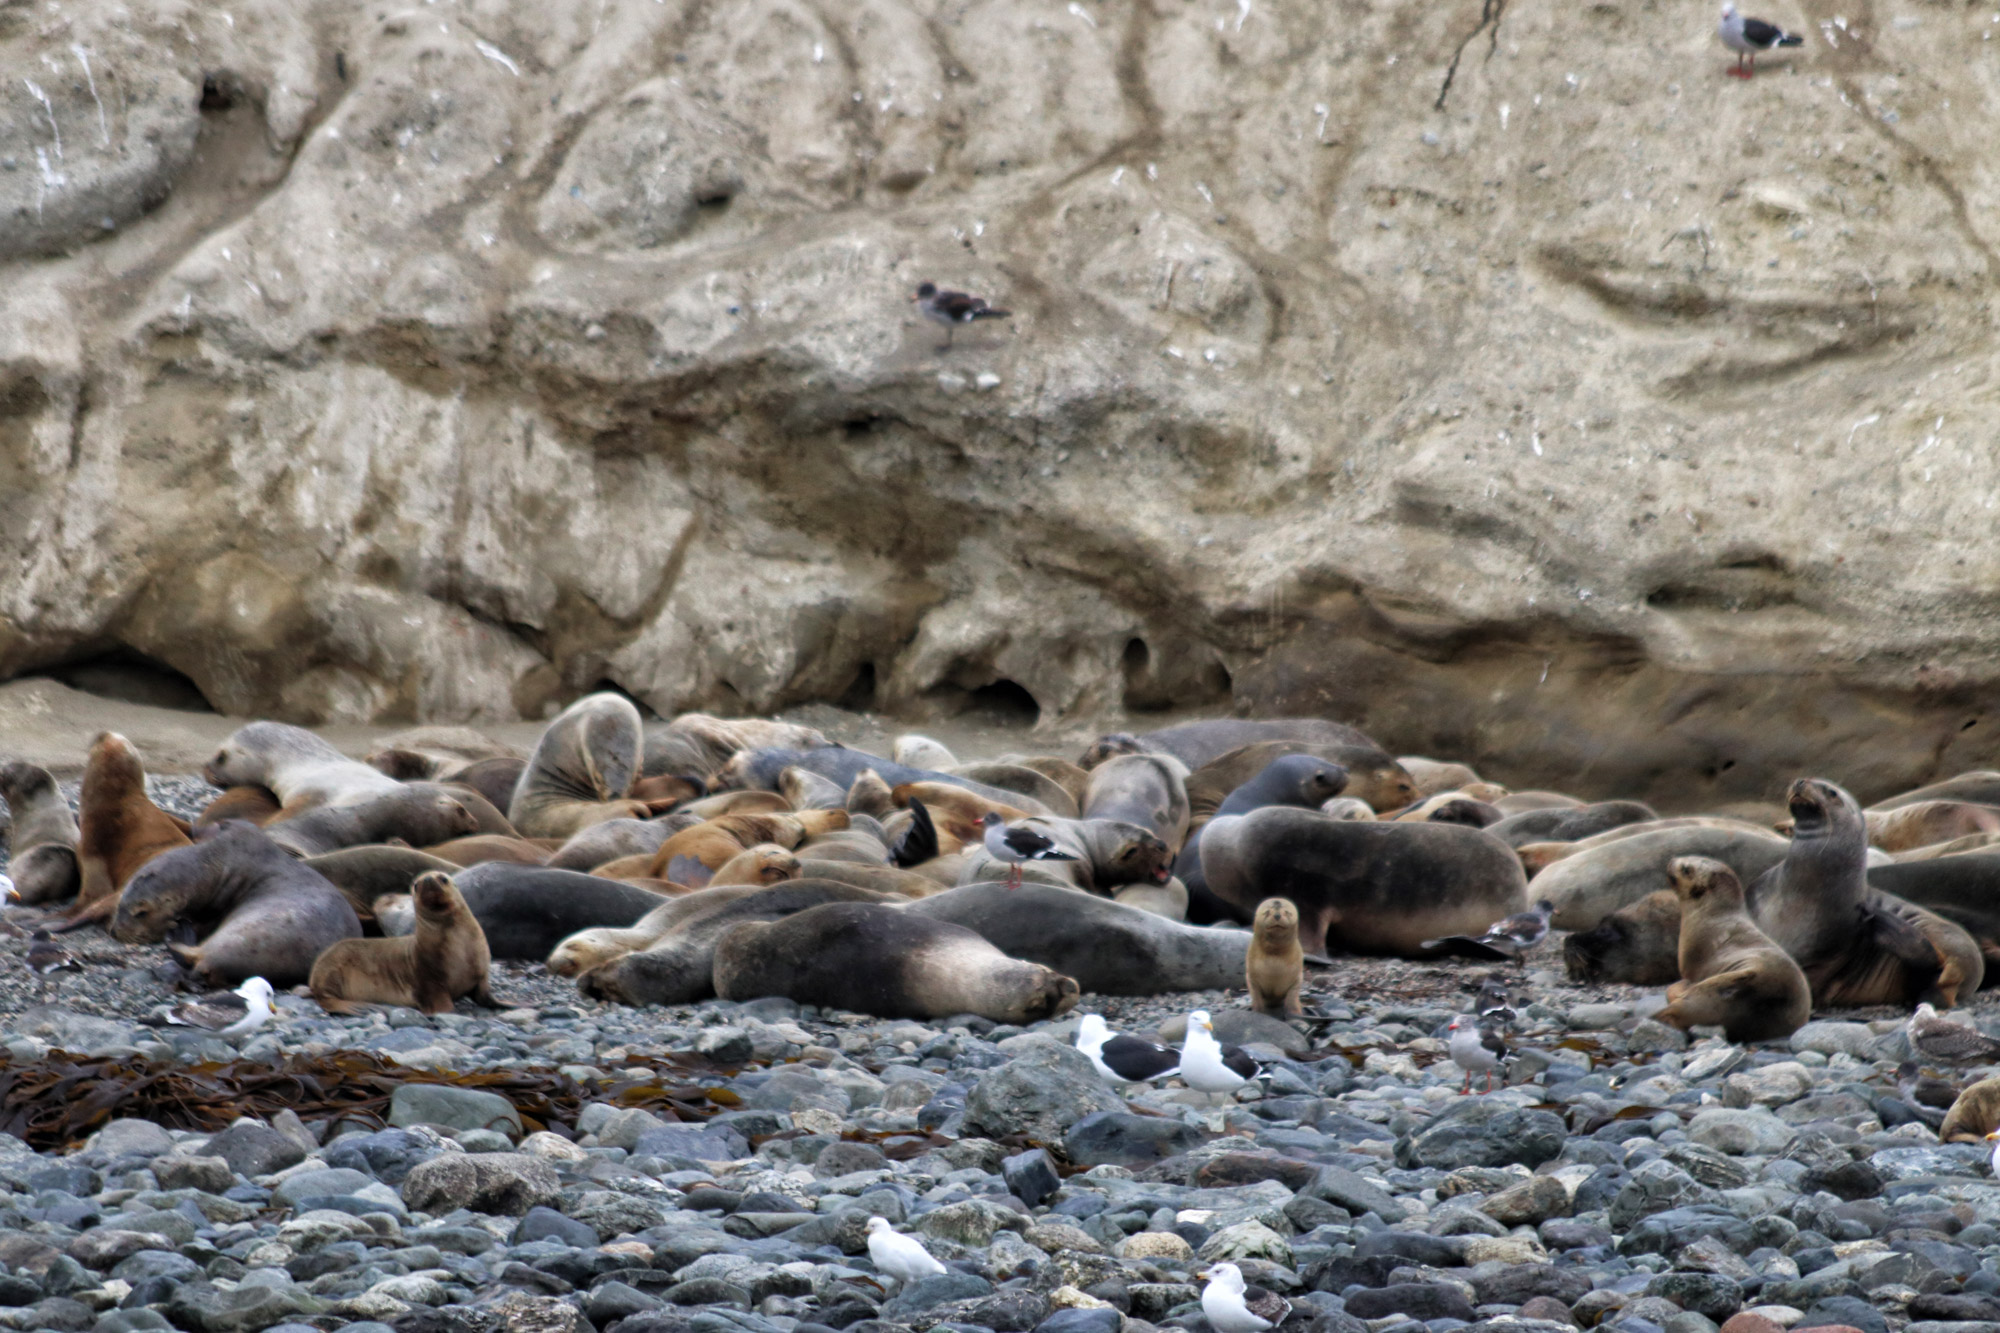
pixel 227 1013
pixel 1939 1038
pixel 1209 1066
pixel 1013 846
pixel 1747 36
pixel 952 309
pixel 1477 1048
pixel 1235 1307
pixel 1510 937
pixel 1121 1058
pixel 898 1256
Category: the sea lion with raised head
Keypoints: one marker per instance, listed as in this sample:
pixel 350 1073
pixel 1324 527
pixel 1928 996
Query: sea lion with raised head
pixel 1372 776
pixel 445 957
pixel 420 814
pixel 1274 969
pixel 582 770
pixel 1731 974
pixel 256 910
pixel 875 959
pixel 1378 887
pixel 1301 780
pixel 299 768
pixel 42 845
pixel 120 829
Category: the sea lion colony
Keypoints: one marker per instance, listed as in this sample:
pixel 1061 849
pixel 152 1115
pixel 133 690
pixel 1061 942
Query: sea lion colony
pixel 671 861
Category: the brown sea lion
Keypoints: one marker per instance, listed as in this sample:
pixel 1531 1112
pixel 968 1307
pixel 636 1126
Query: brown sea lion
pixel 1275 967
pixel 1432 776
pixel 120 828
pixel 738 803
pixel 481 848
pixel 1638 944
pixel 1972 842
pixel 256 910
pixel 444 958
pixel 714 842
pixel 1149 790
pixel 421 814
pixel 882 878
pixel 668 791
pixel 1026 781
pixel 582 770
pixel 42 845
pixel 251 803
pixel 868 794
pixel 1367 888
pixel 1923 823
pixel 875 959
pixel 1732 975
pixel 765 863
pixel 298 767
pixel 1302 780
pixel 1974 1115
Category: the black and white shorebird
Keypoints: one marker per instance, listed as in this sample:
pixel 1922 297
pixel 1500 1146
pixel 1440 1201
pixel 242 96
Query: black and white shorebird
pixel 1122 1058
pixel 46 957
pixel 952 309
pixel 1234 1306
pixel 1747 36
pixel 1936 1037
pixel 225 1013
pixel 1477 1048
pixel 1495 1002
pixel 1511 937
pixel 1014 847
pixel 1209 1066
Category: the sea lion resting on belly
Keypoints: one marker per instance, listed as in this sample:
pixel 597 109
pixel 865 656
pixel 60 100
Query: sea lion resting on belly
pixel 43 841
pixel 525 911
pixel 421 814
pixel 257 911
pixel 444 958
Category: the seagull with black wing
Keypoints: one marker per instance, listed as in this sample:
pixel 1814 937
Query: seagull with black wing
pixel 952 309
pixel 46 957
pixel 1478 1048
pixel 1747 36
pixel 1013 847
pixel 1209 1066
pixel 1510 937
pixel 1122 1058
pixel 225 1013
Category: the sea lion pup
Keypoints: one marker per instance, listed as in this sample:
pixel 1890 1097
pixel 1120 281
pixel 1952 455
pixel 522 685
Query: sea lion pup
pixel 1288 779
pixel 875 959
pixel 1921 823
pixel 1275 967
pixel 445 958
pixel 1855 947
pixel 581 770
pixel 868 794
pixel 766 863
pixel 257 911
pixel 1558 824
pixel 1432 776
pixel 1372 776
pixel 1149 790
pixel 43 841
pixel 1370 888
pixel 419 814
pixel 250 803
pixel 922 752
pixel 809 791
pixel 1974 1115
pixel 1732 975
pixel 591 847
pixel 1638 944
pixel 679 966
pixel 1980 786
pixel 120 828
pixel 1599 875
pixel 483 847
pixel 300 769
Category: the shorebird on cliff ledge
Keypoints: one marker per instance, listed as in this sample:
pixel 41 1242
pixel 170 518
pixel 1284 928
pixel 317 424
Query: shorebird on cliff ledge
pixel 952 309
pixel 1746 37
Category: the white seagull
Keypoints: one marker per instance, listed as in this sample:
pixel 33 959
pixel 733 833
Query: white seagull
pixel 1994 1139
pixel 1209 1066
pixel 897 1255
pixel 226 1013
pixel 1746 37
pixel 1477 1048
pixel 1013 846
pixel 1233 1307
pixel 1121 1058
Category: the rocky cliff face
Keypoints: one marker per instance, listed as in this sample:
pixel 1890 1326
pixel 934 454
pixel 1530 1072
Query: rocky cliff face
pixel 1498 376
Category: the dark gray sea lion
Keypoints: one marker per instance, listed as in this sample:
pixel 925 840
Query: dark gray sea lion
pixel 678 967
pixel 876 959
pixel 1461 810
pixel 527 910
pixel 1110 949
pixel 1372 775
pixel 419 813
pixel 1149 790
pixel 256 910
pixel 363 874
pixel 42 842
pixel 1855 947
pixel 591 847
pixel 1561 825
pixel 1363 887
pixel 581 770
pixel 762 769
pixel 1300 780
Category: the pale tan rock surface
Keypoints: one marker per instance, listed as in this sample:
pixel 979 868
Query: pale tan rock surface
pixel 1596 419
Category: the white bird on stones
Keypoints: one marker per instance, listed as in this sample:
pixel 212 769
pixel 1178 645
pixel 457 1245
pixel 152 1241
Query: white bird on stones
pixel 1121 1058
pixel 1994 1139
pixel 898 1256
pixel 1747 36
pixel 1207 1065
pixel 1936 1037
pixel 229 1013
pixel 1234 1307
pixel 1477 1048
